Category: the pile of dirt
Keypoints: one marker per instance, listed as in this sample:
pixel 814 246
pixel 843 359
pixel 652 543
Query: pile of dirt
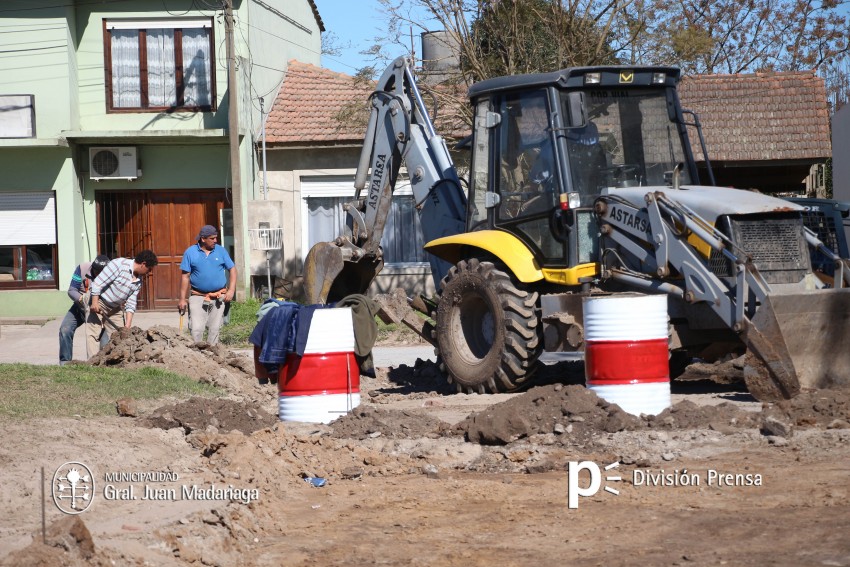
pixel 210 415
pixel 165 347
pixel 65 542
pixel 828 409
pixel 576 413
pixel 367 421
pixel 571 411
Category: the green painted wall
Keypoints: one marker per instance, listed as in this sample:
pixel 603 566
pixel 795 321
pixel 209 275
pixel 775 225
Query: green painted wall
pixel 271 42
pixel 56 53
pixel 37 59
pixel 36 303
pixel 45 169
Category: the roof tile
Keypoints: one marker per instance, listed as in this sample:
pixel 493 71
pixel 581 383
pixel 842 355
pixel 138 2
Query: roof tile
pixel 753 117
pixel 761 116
pixel 318 105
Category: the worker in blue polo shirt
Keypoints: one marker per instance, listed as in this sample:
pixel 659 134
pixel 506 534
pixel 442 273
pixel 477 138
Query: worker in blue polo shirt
pixel 206 284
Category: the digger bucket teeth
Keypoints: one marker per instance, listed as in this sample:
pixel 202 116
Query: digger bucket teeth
pixel 321 267
pixel 328 276
pixel 801 340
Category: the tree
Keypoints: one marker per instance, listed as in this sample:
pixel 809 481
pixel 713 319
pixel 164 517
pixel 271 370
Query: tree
pixel 531 36
pixel 493 38
pixel 506 37
pixel 740 36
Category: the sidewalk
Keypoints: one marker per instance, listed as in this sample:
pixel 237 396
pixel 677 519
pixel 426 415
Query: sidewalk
pixel 39 344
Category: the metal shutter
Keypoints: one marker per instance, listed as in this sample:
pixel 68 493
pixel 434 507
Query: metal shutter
pixel 27 218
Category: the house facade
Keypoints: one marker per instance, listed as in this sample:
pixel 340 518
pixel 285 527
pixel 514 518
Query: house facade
pixel 764 131
pixel 115 134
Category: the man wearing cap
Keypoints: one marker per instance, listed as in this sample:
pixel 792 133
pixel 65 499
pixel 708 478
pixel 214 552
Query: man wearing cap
pixel 206 284
pixel 78 291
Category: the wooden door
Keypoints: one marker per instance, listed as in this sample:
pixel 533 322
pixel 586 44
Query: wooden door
pixel 177 217
pixel 165 221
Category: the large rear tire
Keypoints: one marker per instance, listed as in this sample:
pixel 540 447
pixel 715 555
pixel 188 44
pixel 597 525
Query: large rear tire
pixel 488 330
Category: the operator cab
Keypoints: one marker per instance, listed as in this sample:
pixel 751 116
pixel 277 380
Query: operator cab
pixel 546 146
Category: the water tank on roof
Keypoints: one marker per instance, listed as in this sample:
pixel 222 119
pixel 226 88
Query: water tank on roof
pixel 439 56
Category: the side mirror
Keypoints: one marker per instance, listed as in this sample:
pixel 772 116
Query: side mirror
pixel 576 109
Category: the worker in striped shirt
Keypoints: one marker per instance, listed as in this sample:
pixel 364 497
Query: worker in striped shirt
pixel 116 289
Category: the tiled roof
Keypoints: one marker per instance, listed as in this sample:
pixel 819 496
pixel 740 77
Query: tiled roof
pixel 762 116
pixel 317 105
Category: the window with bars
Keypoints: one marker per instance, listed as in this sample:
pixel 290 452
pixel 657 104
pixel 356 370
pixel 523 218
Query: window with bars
pixel 402 241
pixel 157 65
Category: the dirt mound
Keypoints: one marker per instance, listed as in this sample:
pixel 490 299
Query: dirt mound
pixel 65 542
pixel 165 347
pixel 688 415
pixel 815 408
pixel 369 421
pixel 211 415
pixel 571 410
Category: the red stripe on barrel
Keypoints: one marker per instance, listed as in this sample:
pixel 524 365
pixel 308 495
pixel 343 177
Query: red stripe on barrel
pixel 626 362
pixel 317 374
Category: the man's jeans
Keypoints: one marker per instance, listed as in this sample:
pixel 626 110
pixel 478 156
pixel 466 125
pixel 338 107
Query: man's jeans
pixel 74 318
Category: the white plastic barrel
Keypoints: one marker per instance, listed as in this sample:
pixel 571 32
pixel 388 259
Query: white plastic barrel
pixel 626 355
pixel 323 384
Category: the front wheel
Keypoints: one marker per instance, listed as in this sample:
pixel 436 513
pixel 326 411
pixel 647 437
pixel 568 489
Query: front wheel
pixel 487 329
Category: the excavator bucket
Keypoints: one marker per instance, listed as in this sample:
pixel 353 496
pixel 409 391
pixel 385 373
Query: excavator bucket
pixel 801 340
pixel 328 276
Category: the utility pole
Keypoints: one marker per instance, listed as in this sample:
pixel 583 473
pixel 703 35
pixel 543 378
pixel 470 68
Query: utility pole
pixel 233 137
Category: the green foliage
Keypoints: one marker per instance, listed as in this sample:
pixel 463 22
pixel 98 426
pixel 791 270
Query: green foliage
pixel 507 38
pixel 691 44
pixel 77 389
pixel 243 319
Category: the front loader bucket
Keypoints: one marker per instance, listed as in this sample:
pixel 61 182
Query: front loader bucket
pixel 801 338
pixel 328 276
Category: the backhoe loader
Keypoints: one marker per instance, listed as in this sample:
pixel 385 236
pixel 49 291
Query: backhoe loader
pixel 583 182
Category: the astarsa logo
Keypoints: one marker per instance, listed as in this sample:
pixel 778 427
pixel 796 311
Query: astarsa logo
pixel 72 488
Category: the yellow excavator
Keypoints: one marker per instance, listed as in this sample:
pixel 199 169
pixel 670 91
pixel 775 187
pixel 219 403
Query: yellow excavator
pixel 583 182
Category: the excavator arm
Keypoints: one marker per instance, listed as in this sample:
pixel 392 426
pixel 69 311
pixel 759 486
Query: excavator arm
pixel 399 129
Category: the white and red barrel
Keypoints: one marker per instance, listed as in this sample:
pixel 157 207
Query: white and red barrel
pixel 626 358
pixel 324 384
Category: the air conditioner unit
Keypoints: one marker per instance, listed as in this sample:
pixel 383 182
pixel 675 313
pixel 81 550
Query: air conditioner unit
pixel 117 162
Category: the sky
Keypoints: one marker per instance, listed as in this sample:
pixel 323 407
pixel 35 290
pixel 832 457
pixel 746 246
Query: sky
pixel 356 22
